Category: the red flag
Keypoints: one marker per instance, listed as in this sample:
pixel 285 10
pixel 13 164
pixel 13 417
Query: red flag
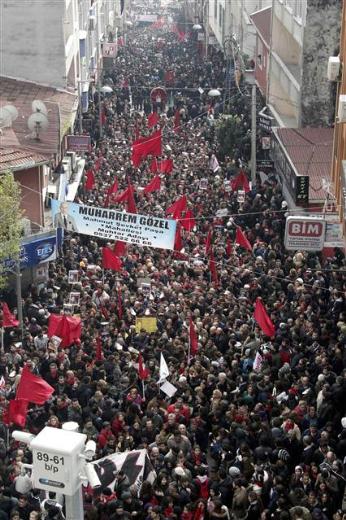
pixel 110 260
pixel 143 373
pixel 164 166
pixel 176 125
pixel 177 207
pixel 240 181
pixel 153 185
pixel 262 318
pixel 193 339
pixel 208 241
pixel 212 268
pixel 119 248
pixel 17 412
pixel 120 305
pixel 241 239
pixel 178 243
pixel 110 192
pixel 33 388
pixel 128 197
pixel 99 353
pixel 153 119
pixel 188 221
pixel 90 180
pixel 229 248
pixel 8 319
pixel 68 328
pixel 144 146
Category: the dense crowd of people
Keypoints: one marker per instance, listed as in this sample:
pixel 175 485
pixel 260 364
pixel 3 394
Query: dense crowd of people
pixel 235 441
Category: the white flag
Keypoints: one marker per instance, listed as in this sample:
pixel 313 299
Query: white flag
pixel 257 364
pixel 164 372
pixel 2 383
pixel 214 164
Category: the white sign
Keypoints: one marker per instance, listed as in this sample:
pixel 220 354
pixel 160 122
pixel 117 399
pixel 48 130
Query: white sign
pixel 142 230
pixel 334 232
pixel 305 233
pixel 56 460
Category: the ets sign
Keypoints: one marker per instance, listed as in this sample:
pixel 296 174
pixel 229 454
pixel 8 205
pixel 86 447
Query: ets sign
pixel 305 233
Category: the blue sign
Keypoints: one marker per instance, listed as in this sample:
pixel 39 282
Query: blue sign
pixel 39 249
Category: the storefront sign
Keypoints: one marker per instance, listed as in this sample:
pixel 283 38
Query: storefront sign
pixel 304 233
pixel 301 185
pixel 78 143
pixel 35 250
pixel 143 230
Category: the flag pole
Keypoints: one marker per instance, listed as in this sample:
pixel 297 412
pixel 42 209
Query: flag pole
pixel 143 389
pixel 189 351
pixel 103 276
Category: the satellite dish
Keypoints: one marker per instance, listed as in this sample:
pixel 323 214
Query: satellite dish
pixel 37 123
pixel 13 111
pixel 5 118
pixel 38 106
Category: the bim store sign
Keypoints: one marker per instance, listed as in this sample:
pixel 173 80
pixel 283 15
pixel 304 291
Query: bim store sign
pixel 36 250
pixel 305 233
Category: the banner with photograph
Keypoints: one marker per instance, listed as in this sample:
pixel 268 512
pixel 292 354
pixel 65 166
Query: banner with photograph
pixel 135 464
pixel 143 230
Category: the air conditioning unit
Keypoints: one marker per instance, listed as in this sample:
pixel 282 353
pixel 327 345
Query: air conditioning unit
pixel 26 226
pixel 73 159
pixel 333 69
pixel 342 109
pixel 92 23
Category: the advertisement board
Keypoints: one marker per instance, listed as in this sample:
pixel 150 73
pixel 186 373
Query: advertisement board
pixel 78 143
pixel 143 230
pixel 305 233
pixel 35 250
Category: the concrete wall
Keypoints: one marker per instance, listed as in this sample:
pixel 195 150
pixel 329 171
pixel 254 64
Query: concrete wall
pixel 32 41
pixel 321 39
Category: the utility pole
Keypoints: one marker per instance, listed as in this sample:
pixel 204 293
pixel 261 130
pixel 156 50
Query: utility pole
pixel 206 27
pixel 19 294
pixel 80 92
pixel 253 135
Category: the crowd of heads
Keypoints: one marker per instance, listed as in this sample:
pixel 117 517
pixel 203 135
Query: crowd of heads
pixel 233 442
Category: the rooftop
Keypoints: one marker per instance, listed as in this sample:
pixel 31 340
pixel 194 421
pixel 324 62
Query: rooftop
pixel 61 106
pixel 310 151
pixel 11 159
pixel 262 21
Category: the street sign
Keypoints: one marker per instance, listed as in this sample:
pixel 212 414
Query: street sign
pixel 305 233
pixel 264 121
pixel 265 165
pixel 301 189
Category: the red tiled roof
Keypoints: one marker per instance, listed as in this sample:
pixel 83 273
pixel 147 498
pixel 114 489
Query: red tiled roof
pixel 310 151
pixel 262 20
pixel 60 106
pixel 11 159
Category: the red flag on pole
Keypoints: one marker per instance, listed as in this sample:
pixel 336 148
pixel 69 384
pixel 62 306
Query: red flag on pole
pixel 212 267
pixel 120 304
pixel 193 339
pixel 143 373
pixel 178 243
pixel 99 353
pixel 8 319
pixel 90 180
pixel 110 192
pixel 165 166
pixel 241 240
pixel 16 412
pixel 33 388
pixel 144 146
pixel 177 207
pixel 188 221
pixel 110 260
pixel 119 248
pixel 128 197
pixel 153 119
pixel 262 318
pixel 229 248
pixel 176 125
pixel 68 328
pixel 153 185
pixel 240 181
pixel 208 241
